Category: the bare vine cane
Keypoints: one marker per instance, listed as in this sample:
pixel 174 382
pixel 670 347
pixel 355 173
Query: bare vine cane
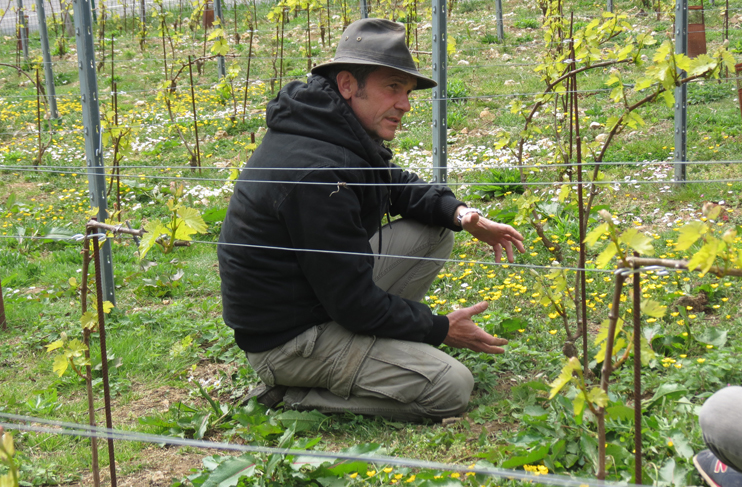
pixel 88 368
pixel 104 353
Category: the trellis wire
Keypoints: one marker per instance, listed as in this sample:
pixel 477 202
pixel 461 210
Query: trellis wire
pixel 27 423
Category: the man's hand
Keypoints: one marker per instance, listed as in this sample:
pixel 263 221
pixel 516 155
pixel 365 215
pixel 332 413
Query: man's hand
pixel 464 333
pixel 498 235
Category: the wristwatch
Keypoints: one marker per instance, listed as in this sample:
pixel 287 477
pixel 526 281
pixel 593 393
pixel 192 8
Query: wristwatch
pixel 466 211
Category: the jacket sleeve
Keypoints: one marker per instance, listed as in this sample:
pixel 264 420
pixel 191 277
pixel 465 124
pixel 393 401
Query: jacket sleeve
pixel 323 217
pixel 412 197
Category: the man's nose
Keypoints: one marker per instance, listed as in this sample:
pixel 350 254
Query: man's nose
pixel 404 103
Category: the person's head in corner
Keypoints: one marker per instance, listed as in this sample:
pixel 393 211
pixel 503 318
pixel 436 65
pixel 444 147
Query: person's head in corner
pixel 375 74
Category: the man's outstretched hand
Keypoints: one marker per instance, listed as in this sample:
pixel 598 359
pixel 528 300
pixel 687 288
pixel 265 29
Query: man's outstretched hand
pixel 498 235
pixel 464 333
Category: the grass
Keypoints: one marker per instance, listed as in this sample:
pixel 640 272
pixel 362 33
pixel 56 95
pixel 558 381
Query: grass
pixel 166 333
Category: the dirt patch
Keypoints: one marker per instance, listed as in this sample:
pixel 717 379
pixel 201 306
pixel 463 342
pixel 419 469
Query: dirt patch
pixel 158 467
pixel 148 402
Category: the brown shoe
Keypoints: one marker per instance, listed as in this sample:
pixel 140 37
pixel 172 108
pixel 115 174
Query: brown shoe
pixel 269 397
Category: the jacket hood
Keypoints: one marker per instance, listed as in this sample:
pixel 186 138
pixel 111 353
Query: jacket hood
pixel 316 110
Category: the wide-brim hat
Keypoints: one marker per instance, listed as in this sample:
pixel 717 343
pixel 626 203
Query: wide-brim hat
pixel 378 42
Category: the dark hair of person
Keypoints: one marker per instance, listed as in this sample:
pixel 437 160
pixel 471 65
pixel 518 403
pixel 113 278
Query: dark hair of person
pixel 360 72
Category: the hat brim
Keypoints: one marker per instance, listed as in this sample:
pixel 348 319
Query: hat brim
pixel 423 83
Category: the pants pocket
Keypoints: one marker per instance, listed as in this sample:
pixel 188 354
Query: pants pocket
pixel 400 370
pixel 302 345
pixel 265 373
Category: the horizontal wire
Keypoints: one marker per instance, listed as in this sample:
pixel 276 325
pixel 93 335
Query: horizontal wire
pixel 77 169
pixel 27 423
pixel 345 183
pixel 505 265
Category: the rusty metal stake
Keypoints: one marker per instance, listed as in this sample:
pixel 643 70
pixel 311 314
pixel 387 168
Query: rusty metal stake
pixel 104 357
pixel 88 369
pixel 3 322
pixel 637 377
pixel 581 212
pixel 195 119
pixel 608 367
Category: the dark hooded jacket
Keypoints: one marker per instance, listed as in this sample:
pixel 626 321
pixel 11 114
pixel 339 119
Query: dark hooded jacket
pixel 319 182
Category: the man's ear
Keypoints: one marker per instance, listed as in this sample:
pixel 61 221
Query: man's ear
pixel 347 84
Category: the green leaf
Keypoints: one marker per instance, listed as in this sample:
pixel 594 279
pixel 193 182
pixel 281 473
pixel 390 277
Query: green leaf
pixel 637 241
pixel 669 98
pixel 666 390
pixel 701 64
pixel 214 215
pixel 592 237
pixel 606 255
pixel 603 331
pixel 578 405
pixel 563 193
pixel 303 420
pixel 621 411
pixel 673 474
pixel 713 336
pixel 682 446
pixel 193 219
pixel 598 396
pixel 451 47
pixel 89 320
pixel 534 456
pixel 706 256
pixel 683 62
pixel 54 345
pixel 643 83
pixel 535 412
pixel 183 231
pixel 646 354
pixel 154 229
pixel 229 472
pixel 690 232
pixel 60 364
pixel 565 376
pixel 652 308
pixel 107 306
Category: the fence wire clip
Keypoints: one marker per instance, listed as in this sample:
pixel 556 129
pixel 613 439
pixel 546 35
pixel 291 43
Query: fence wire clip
pixel 101 236
pixel 627 271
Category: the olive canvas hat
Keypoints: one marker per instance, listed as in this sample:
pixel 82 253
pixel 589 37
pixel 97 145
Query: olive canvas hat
pixel 378 42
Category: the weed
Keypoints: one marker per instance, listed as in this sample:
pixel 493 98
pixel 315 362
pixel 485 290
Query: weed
pixel 501 182
pixel 527 23
pixel 457 91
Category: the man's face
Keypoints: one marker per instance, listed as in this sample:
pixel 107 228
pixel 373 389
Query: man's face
pixel 382 102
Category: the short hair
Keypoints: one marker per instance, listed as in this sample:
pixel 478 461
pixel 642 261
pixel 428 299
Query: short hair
pixel 360 72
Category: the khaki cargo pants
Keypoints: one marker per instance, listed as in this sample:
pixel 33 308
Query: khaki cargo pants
pixel 330 369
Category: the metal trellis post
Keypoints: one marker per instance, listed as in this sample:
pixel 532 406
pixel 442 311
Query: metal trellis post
pixel 92 129
pixel 23 29
pixel 51 94
pixel 364 9
pixel 220 59
pixel 440 123
pixel 609 5
pixel 681 92
pixel 500 26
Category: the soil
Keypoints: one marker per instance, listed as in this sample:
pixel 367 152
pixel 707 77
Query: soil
pixel 156 466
